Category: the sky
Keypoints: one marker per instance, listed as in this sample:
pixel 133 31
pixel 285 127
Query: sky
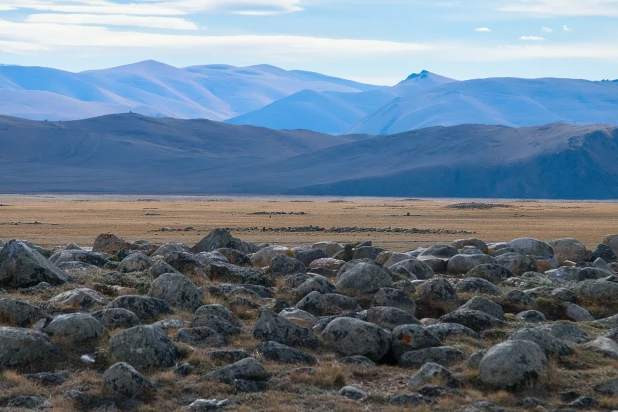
pixel 374 41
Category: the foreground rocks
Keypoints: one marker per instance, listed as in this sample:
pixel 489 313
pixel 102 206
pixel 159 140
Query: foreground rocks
pixel 227 324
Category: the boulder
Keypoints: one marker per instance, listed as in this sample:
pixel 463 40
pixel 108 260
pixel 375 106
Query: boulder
pixel 567 332
pixel 358 361
pixel 177 290
pixel 442 355
pixel 517 263
pixel 604 252
pixel 327 304
pixel 388 259
pixel 235 257
pixel 532 316
pixel 440 251
pixel 144 346
pixel 608 387
pixel 285 265
pixel 277 352
pixel 80 298
pixel 477 243
pixel 539 250
pixel 330 248
pixel 352 392
pixel 228 356
pixel 26 349
pixel 394 298
pixel 484 305
pixel 600 291
pixel 121 379
pixel 477 285
pixel 146 308
pixel 366 252
pixel 217 323
pixel 246 369
pixel 330 267
pixel 307 255
pixel 362 276
pixel 135 262
pixel 201 337
pixel 76 327
pixel 406 338
pixel 611 241
pixel 437 297
pixel 447 330
pixel 418 268
pixel 315 283
pixel 512 363
pixel 569 249
pixel 551 345
pixel 109 243
pixel 348 336
pixel 160 268
pixel 220 239
pixel 78 255
pixel 21 267
pixel 576 313
pixel 462 264
pixel 263 257
pixel 492 272
pixel 219 311
pixel 116 318
pixel 473 319
pixel 19 313
pixel 299 316
pixel 270 327
pixel 432 373
pixel 604 346
pixel 389 318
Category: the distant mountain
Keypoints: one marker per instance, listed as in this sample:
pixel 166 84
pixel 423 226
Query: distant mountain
pixel 151 88
pixel 141 155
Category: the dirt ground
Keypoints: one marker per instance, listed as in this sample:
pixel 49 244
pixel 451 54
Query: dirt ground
pixel 57 220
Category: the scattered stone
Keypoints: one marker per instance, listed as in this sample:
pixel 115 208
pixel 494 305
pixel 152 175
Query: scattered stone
pixel 432 373
pixel 408 338
pixel 144 347
pixel 358 360
pixel 462 264
pixel 569 249
pixel 604 346
pixel 352 392
pixel 477 285
pixel 442 355
pixel 26 349
pixel 532 316
pixel 201 337
pixel 19 313
pixel 389 318
pixel 246 369
pixel 177 290
pixel 473 319
pixel 551 345
pixel 122 379
pixel 447 330
pixel 109 243
pixel 517 263
pixel 348 336
pixel 22 267
pixel 511 363
pixel 116 318
pixel 394 298
pixel 271 327
pixel 77 327
pixel 80 298
pixel 437 296
pixel 222 238
pixel 145 307
pixel 492 272
pixel 484 305
pixel 362 276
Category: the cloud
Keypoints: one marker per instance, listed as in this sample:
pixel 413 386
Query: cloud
pixel 566 28
pixel 115 20
pixel 547 30
pixel 483 29
pixel 604 8
pixel 532 38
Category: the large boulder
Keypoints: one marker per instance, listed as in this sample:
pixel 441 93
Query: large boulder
pixel 121 379
pixel 492 272
pixel 307 255
pixel 442 355
pixel 21 266
pixel 116 318
pixel 171 247
pixel 477 243
pixel 462 264
pixel 416 267
pixel 264 257
pixel 440 251
pixel 328 266
pixel 362 276
pixel 19 313
pixel 145 307
pixel 319 304
pixel 285 265
pixel 550 344
pixel 220 239
pixel 406 338
pixel 177 290
pixel 484 305
pixel 219 311
pixel 436 297
pixel 604 252
pixel 201 337
pixel 277 352
pixel 270 327
pixel 433 373
pixel 537 249
pixel 569 249
pixel 26 349
pixel 473 319
pixel 245 369
pixel 110 244
pixel 517 263
pixel 80 298
pixel 477 285
pixel 135 262
pixel 77 327
pixel 78 255
pixel 389 318
pixel 144 346
pixel 395 298
pixel 611 241
pixel 511 363
pixel 600 291
pixel 366 252
pixel 348 336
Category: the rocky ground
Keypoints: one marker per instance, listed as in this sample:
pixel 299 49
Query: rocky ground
pixel 230 325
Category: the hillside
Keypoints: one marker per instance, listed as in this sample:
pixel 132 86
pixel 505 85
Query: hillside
pixel 136 154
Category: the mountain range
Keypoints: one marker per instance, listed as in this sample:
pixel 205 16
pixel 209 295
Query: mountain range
pixel 131 153
pixel 271 97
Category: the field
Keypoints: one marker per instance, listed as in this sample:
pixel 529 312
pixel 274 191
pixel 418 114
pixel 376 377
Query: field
pixel 57 220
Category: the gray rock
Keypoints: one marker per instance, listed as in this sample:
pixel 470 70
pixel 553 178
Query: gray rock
pixel 263 257
pixel 327 304
pixel 270 327
pixel 358 360
pixel 203 405
pixel 184 262
pixel 389 318
pixel 246 369
pixel 608 387
pixel 474 360
pixel 362 276
pixel 470 250
pixel 492 272
pixel 201 337
pixel 366 252
pixel 121 379
pixel 171 247
pixel 144 347
pixel 432 373
pixel 308 254
pixel 330 248
pixel 532 316
pixel 348 336
pixel 394 298
pixel 285 265
pixel 220 239
pixel 611 321
pixel 78 255
pixel 462 264
pixel 577 313
pixel 116 318
pixel 160 268
pixel 447 330
pixel 567 332
pixel 26 349
pixel 352 392
pixel 77 327
pixel 604 346
pixel 168 323
pixel 48 378
pixel 517 263
pixel 437 265
pixel 217 323
pixel 535 248
pixel 228 356
pixel 442 355
pixel 299 316
pixel 277 352
pixel 19 313
pixel 551 345
pixel 177 290
pixel 109 243
pixel 511 363
pixel 515 301
pixel 437 296
pixel 569 249
pixel 388 259
pixel 408 338
pixel 473 319
pixel 611 241
pixel 80 298
pixel 440 251
pixel 220 311
pixel 135 262
pixel 28 402
pixel 21 266
pixel 477 285
pixel 484 305
pixel 477 243
pixel 316 283
pixel 604 252
pixel 328 267
pixel 414 399
pixel 145 307
pixel 600 291
pixel 418 268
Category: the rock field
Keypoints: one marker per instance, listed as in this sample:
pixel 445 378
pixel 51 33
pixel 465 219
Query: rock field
pixel 230 325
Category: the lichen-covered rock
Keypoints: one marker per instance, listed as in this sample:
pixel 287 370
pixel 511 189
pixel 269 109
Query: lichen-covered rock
pixel 109 243
pixel 144 346
pixel 177 290
pixel 299 316
pixel 511 363
pixel 329 247
pixel 477 243
pixel 408 338
pixel 222 238
pixel 389 318
pixel 145 307
pixel 432 373
pixel 201 337
pixel 437 297
pixel 551 345
pixel 80 298
pixel 307 255
pixel 116 318
pixel 246 369
pixel 442 355
pixel 517 263
pixel 135 262
pixel 477 285
pixel 171 247
pixel 277 352
pixel 77 327
pixel 473 319
pixel 362 276
pixel 285 265
pixel 569 249
pixel 328 266
pixel 327 304
pixel 348 336
pixel 270 327
pixel 26 349
pixel 604 346
pixel 19 313
pixel 537 249
pixel 415 266
pixel 78 255
pixel 484 305
pixel 21 267
pixel 462 264
pixel 604 252
pixel 532 316
pixel 492 272
pixel 121 379
pixel 394 298
pixel 264 257
pixel 447 330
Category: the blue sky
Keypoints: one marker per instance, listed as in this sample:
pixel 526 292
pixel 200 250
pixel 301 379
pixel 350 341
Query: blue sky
pixel 367 40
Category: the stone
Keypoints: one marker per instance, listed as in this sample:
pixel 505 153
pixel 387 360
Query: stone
pixel 171 247
pixel 316 283
pixel 19 313
pixel 567 332
pixel 474 360
pixel 203 405
pixel 121 379
pixel 22 267
pixel 389 318
pixel 551 345
pixel 537 249
pixel 492 272
pixel 145 307
pixel 406 338
pixel 600 291
pixel 511 363
pixel 246 369
pixel 228 356
pixel 440 251
pixel 78 255
pixel 217 323
pixel 348 336
pixel 366 252
pixel 270 327
pixel 135 262
pixel 438 297
pixel 177 291
pixel 222 238
pixel 48 378
pixel 109 243
pixel 477 285
pixel 116 318
pixel 80 298
pixel 352 392
pixel 515 301
pixel 299 316
pixel 220 311
pixel 473 319
pixel 414 399
pixel 604 252
pixel 416 267
pixel 577 314
pixel 362 276
pixel 26 402
pixel 446 330
pixel 264 256
pixel 432 373
pixel 26 349
pixel 170 323
pixel 462 264
pixel 144 347
pixel 329 266
pixel 394 298
pixel 604 346
pixel 442 355
pixel 517 263
pixel 277 352
pixel 307 254
pixel 358 360
pixel 160 268
pixel 484 305
pixel 330 248
pixel 477 243
pixel 532 316
pixel 569 249
pixel 608 387
pixel 201 337
pixel 76 327
pixel 285 265
pixel 327 304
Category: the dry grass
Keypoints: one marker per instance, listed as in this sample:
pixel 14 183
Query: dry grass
pixel 327 376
